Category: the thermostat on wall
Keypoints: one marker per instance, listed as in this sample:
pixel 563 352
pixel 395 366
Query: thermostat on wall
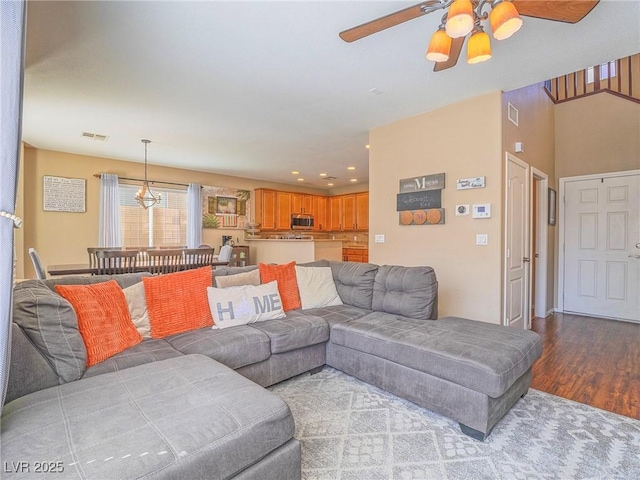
pixel 482 210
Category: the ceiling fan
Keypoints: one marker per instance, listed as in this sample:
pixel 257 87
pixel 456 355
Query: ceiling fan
pixel 464 17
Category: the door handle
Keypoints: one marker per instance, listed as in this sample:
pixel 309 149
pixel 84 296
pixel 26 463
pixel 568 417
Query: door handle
pixel 526 259
pixel 638 245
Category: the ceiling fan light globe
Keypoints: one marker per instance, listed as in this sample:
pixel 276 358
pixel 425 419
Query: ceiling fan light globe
pixel 504 20
pixel 478 48
pixel 439 47
pixel 459 19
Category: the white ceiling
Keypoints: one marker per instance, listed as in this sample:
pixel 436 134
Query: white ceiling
pixel 258 89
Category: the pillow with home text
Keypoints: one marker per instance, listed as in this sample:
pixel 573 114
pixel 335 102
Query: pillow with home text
pixel 244 304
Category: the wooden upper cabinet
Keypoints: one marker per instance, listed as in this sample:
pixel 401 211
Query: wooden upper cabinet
pixel 335 213
pixel 349 212
pixel 301 203
pixel 362 211
pixel 265 208
pixel 283 210
pixel 319 212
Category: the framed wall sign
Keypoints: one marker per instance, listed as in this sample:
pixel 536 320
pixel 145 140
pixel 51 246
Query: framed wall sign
pixel 64 194
pixel 552 207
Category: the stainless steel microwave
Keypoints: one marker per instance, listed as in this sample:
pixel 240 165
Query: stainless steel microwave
pixel 301 221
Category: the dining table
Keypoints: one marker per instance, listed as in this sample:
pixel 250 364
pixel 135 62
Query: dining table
pixel 85 269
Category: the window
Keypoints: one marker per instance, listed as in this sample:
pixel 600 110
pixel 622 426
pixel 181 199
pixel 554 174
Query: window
pixel 606 70
pixel 164 224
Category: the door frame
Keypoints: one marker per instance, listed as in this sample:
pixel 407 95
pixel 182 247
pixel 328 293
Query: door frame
pixel 561 223
pixel 505 260
pixel 541 179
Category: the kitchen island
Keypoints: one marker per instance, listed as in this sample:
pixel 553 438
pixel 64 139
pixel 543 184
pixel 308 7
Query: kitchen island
pixel 268 250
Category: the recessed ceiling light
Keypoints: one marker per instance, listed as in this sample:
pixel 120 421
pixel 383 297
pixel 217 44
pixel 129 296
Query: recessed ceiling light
pixel 301 179
pixel 295 172
pixel 353 180
pixel 323 174
pixel 330 184
pixel 351 168
pixel 367 146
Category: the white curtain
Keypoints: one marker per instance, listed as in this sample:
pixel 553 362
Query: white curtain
pixel 194 216
pixel 110 234
pixel 12 24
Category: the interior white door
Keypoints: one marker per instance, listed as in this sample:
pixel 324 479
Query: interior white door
pixel 517 243
pixel 602 247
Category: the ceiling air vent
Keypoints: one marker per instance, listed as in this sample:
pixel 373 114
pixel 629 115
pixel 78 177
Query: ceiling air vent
pixel 95 136
pixel 330 178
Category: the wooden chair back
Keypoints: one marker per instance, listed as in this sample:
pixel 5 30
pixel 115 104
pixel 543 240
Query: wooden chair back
pixel 115 262
pixel 93 259
pixel 165 260
pixel 197 257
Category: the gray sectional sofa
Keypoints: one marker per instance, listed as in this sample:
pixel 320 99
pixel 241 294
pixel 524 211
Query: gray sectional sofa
pixel 192 405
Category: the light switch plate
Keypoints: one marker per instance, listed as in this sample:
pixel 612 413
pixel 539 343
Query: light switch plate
pixel 379 238
pixel 482 239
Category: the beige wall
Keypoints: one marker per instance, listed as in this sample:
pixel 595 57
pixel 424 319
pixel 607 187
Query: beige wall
pixel 536 129
pixel 62 237
pixel 462 140
pixel 597 134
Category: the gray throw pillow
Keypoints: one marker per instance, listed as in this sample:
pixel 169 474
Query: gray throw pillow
pixel 51 324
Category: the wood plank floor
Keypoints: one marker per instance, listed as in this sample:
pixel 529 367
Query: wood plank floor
pixel 590 360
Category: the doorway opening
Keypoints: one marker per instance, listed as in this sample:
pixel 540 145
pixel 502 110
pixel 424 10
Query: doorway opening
pixel 539 244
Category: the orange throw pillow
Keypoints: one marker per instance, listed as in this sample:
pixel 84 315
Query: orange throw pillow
pixel 103 318
pixel 177 302
pixel 287 283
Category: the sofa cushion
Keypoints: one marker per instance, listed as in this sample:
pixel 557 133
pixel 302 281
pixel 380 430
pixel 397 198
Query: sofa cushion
pixel 177 302
pixel 285 275
pixel 251 277
pixel 137 303
pixel 186 417
pixel 407 291
pixel 50 322
pixel 338 313
pixel 244 304
pixel 224 270
pixel 483 357
pixel 234 347
pixel 316 286
pixel 124 280
pixel 354 282
pixel 151 350
pixel 103 318
pixel 296 330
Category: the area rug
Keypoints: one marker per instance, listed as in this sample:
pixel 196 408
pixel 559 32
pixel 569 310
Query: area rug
pixel 352 430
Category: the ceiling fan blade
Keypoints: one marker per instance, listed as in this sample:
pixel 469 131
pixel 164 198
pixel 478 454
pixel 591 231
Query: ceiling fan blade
pixel 382 23
pixel 570 11
pixel 454 54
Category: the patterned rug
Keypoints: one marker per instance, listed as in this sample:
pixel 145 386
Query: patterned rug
pixel 352 430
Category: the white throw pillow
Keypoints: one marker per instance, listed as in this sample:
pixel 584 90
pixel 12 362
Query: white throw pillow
pixel 244 304
pixel 137 303
pixel 244 278
pixel 317 288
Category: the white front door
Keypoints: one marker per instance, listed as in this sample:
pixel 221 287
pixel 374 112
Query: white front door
pixel 517 243
pixel 602 247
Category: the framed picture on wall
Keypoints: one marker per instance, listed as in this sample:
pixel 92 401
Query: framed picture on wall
pixel 552 207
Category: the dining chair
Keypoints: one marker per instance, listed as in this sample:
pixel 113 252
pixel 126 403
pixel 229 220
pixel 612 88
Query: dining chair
pixel 225 254
pixel 197 257
pixel 41 273
pixel 115 262
pixel 165 260
pixel 93 259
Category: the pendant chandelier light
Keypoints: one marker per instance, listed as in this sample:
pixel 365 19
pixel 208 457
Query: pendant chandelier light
pixel 464 17
pixel 145 197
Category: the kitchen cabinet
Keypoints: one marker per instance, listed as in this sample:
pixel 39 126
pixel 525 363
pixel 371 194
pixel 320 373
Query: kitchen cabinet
pixel 301 203
pixel 362 211
pixel 319 212
pixel 335 213
pixel 360 255
pixel 283 210
pixel 349 212
pixel 265 205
